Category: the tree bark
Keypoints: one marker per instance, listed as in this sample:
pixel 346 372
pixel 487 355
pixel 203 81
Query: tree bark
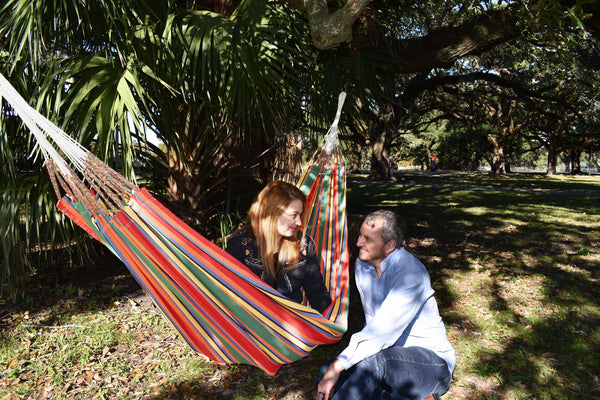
pixel 380 162
pixel 380 156
pixel 329 29
pixel 437 49
pixel 500 165
pixel 287 163
pixel 359 141
pixel 552 157
pixel 441 48
pixel 575 156
pixel 356 158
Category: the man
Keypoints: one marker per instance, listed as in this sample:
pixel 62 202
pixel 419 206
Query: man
pixel 402 352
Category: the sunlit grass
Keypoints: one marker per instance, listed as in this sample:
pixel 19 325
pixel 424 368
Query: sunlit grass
pixel 96 350
pixel 521 290
pixel 515 267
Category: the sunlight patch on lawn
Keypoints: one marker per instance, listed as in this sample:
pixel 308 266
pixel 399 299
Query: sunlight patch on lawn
pixel 561 215
pixel 575 270
pixel 590 258
pixel 478 210
pixel 525 295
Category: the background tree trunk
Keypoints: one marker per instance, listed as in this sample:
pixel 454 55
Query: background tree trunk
pixel 552 159
pixel 500 164
pixel 356 158
pixel 380 156
pixel 575 156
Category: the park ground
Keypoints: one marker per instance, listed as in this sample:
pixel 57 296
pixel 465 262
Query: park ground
pixel 515 262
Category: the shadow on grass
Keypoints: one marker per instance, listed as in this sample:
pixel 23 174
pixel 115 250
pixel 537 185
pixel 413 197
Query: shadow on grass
pixel 516 275
pixel 88 287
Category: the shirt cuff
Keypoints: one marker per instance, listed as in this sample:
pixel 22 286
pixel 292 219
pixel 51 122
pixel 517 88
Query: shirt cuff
pixel 345 360
pixel 360 347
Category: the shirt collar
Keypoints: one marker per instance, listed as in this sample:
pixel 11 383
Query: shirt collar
pixel 390 260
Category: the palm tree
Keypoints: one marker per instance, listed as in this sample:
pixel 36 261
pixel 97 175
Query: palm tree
pixel 218 90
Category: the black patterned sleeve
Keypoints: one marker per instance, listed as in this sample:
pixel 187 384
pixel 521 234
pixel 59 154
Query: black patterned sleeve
pixel 314 287
pixel 235 248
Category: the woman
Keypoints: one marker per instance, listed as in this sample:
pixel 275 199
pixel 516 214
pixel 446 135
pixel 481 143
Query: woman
pixel 275 247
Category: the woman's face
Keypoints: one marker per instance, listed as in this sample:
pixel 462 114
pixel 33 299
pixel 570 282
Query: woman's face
pixel 290 220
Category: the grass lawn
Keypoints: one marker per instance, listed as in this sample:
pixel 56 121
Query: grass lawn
pixel 515 262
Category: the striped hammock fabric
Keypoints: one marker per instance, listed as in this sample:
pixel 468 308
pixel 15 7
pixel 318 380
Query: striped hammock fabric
pixel 219 307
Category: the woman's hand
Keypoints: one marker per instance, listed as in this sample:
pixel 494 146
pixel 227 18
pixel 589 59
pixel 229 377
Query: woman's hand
pixel 327 384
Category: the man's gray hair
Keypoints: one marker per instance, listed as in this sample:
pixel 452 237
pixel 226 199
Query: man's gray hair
pixel 393 225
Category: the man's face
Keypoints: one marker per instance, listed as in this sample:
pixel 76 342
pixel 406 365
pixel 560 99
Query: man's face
pixel 372 248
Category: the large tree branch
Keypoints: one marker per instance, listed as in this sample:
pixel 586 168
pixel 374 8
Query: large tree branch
pixel 438 49
pixel 330 29
pixel 519 89
pixel 441 48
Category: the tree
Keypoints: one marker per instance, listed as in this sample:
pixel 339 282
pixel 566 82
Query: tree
pixel 216 89
pixel 219 80
pixel 527 92
pixel 408 41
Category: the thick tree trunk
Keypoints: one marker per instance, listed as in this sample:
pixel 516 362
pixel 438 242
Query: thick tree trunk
pixel 287 163
pixel 205 171
pixel 380 157
pixel 182 188
pixel 500 164
pixel 358 144
pixel 566 160
pixel 552 158
pixel 575 156
pixel 380 164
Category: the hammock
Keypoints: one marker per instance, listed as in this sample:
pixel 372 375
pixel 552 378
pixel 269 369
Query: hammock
pixel 219 307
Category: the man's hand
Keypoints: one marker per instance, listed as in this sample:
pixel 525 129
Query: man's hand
pixel 325 387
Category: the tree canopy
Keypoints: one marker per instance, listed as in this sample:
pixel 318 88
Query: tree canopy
pixel 230 87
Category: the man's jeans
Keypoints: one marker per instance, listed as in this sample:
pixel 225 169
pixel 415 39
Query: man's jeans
pixel 395 373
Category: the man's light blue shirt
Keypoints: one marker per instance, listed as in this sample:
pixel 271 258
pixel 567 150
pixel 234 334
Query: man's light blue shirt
pixel 399 309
